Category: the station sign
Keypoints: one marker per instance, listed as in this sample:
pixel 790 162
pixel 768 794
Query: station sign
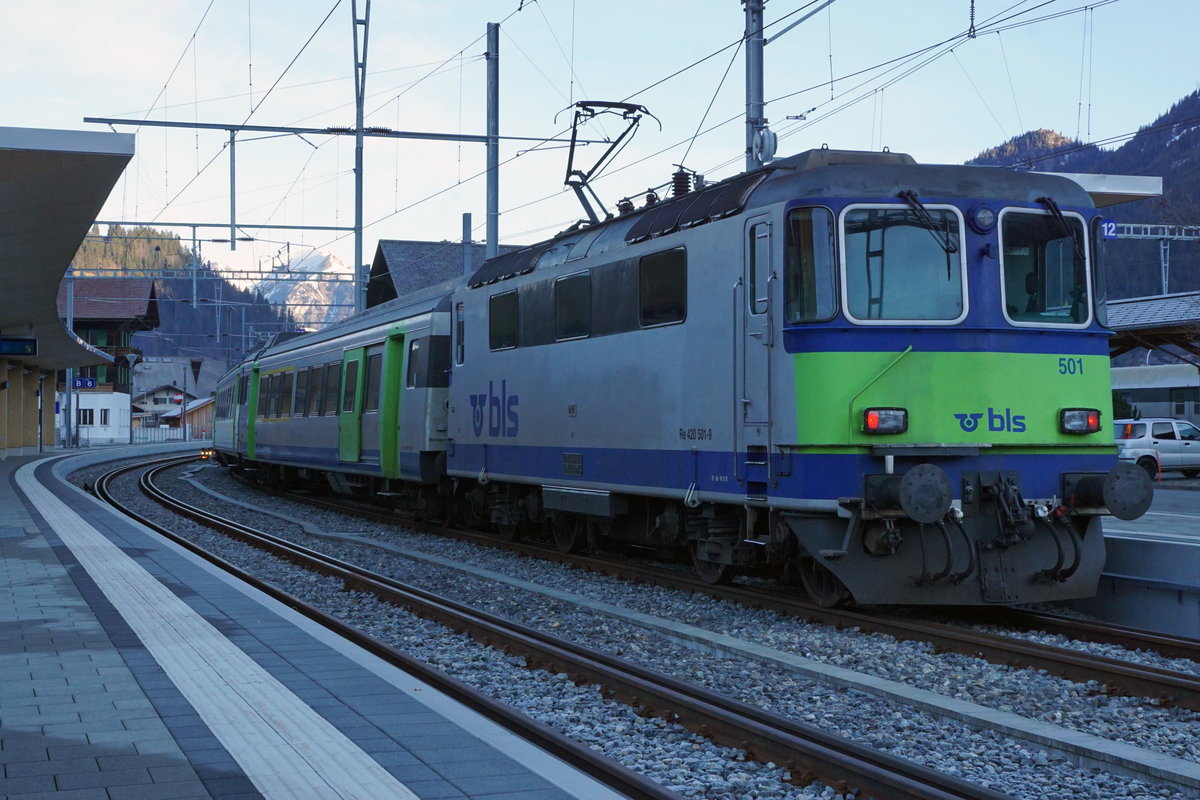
pixel 84 383
pixel 18 347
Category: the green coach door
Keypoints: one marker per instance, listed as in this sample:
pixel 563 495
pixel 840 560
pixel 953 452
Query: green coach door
pixel 350 407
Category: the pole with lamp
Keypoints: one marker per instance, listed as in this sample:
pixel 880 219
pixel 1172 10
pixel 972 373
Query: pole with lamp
pixel 132 358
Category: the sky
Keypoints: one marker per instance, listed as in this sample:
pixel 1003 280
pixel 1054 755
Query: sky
pixel 858 74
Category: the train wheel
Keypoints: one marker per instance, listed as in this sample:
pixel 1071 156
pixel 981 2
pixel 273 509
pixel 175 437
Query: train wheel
pixel 825 589
pixel 710 571
pixel 509 532
pixel 570 533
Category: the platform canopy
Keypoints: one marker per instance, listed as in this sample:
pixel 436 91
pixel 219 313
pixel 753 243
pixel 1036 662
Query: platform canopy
pixel 53 184
pixel 1111 190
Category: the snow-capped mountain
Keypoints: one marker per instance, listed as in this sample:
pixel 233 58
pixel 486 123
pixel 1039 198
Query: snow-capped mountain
pixel 316 287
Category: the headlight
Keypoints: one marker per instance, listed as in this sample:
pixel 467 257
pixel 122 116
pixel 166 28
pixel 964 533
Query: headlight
pixel 1079 420
pixel 885 420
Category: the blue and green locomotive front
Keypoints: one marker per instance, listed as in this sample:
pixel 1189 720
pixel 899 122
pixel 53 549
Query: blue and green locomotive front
pixel 947 364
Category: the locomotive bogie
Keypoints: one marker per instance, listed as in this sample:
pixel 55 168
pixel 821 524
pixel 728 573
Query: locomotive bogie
pixel 881 379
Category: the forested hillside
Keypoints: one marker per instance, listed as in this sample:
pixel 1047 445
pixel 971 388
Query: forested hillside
pixel 1168 148
pixel 241 317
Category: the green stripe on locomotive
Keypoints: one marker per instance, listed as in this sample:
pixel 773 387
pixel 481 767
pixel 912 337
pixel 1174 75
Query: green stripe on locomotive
pixel 1009 399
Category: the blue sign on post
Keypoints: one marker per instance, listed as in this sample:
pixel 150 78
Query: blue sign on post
pixel 84 383
pixel 1108 229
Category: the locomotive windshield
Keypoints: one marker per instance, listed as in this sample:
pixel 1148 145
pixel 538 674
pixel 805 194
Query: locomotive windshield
pixel 903 264
pixel 1044 268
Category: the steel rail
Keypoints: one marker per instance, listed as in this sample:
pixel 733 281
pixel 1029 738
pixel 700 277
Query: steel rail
pixel 809 752
pixel 1120 677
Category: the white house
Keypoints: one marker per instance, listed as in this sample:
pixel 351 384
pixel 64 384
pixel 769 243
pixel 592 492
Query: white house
pixel 100 418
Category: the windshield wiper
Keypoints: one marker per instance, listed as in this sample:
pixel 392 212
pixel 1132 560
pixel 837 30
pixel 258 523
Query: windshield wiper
pixel 946 240
pixel 1056 212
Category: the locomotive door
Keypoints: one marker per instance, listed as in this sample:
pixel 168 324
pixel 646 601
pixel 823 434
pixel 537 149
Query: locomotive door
pixel 754 325
pixel 350 406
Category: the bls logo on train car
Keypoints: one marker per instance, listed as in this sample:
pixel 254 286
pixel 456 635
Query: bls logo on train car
pixel 501 411
pixel 998 422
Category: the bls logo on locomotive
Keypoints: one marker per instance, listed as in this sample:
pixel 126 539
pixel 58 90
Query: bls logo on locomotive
pixel 501 411
pixel 1006 422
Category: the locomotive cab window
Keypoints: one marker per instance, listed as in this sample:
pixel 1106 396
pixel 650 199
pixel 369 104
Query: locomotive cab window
pixel 502 321
pixel 1099 265
pixel 662 284
pixel 1044 269
pixel 810 270
pixel 903 264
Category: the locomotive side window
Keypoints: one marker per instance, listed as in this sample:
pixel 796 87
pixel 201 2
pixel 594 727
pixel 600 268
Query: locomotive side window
pixel 333 387
pixel 573 307
pixel 1044 268
pixel 810 271
pixel 374 373
pixel 502 321
pixel 662 281
pixel 317 391
pixel 760 267
pixel 460 332
pixel 302 392
pixel 903 264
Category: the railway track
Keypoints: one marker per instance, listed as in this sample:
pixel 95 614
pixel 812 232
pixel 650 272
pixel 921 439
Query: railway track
pixel 810 753
pixel 1163 686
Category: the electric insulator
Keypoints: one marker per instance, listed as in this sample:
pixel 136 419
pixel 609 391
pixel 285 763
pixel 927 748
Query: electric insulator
pixel 681 183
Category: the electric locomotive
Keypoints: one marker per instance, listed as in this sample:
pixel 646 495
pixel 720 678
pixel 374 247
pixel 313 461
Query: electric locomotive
pixel 886 380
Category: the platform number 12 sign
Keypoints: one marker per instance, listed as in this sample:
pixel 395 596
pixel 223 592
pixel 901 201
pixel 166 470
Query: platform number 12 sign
pixel 1108 229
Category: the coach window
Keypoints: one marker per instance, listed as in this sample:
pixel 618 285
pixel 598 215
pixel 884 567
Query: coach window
pixel 903 264
pixel 302 392
pixel 316 390
pixel 662 284
pixel 351 384
pixel 374 374
pixel 273 392
pixel 414 364
pixel 243 390
pixel 573 307
pixel 810 269
pixel 502 321
pixel 285 394
pixel 333 387
pixel 1044 267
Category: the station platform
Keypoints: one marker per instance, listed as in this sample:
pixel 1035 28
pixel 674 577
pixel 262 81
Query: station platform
pixel 133 669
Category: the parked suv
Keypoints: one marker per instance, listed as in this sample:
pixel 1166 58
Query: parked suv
pixel 1159 444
